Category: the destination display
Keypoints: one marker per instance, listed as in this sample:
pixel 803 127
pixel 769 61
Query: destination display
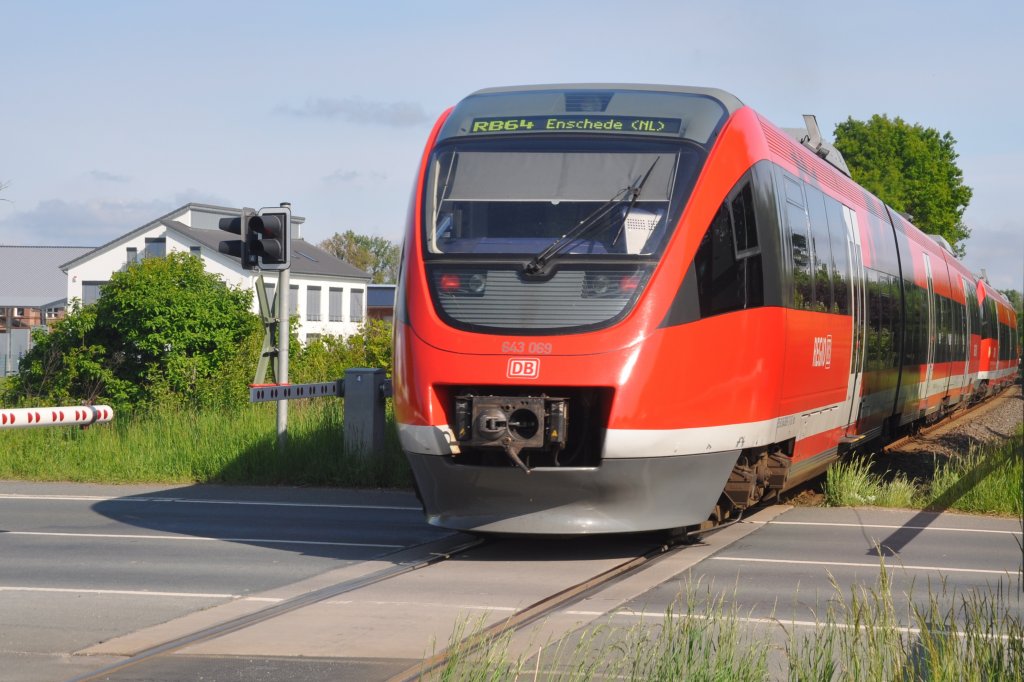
pixel 576 123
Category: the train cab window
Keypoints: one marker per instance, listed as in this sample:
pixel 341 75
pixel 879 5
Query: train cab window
pixel 728 261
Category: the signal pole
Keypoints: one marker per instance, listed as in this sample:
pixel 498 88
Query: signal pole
pixel 283 338
pixel 265 244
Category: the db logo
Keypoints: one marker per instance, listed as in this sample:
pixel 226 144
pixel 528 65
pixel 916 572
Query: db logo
pixel 822 356
pixel 523 368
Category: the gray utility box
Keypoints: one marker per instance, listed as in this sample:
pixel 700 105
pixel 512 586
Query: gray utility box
pixel 366 391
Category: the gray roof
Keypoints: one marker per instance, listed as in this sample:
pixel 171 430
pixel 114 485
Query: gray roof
pixel 307 258
pixel 30 276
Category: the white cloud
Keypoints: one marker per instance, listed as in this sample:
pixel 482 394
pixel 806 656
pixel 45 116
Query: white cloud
pixel 343 175
pixel 104 176
pixel 89 223
pixel 392 114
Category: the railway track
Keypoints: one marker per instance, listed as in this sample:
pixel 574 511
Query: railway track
pixel 953 419
pixel 662 547
pixel 531 613
pixel 167 648
pixel 520 619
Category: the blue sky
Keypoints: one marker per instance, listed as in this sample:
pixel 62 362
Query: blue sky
pixel 113 113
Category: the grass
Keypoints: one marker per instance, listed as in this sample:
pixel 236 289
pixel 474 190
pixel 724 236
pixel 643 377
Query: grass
pixel 862 636
pixel 985 480
pixel 179 446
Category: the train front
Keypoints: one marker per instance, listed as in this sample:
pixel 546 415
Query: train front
pixel 528 306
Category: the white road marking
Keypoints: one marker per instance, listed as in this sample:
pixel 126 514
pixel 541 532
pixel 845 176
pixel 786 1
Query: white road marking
pixel 887 527
pixel 135 593
pixel 180 500
pixel 782 622
pixel 198 538
pixel 864 565
pixel 440 605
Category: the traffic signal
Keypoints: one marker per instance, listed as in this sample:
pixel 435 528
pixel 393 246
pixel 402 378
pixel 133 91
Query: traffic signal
pixel 269 238
pixel 239 248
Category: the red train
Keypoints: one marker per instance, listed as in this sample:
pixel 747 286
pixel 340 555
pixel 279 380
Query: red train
pixel 628 307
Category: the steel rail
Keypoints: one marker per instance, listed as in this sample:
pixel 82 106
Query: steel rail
pixel 282 608
pixel 951 419
pixel 551 603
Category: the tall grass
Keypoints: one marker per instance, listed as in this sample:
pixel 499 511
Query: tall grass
pixel 851 483
pixel 183 446
pixel 985 480
pixel 862 637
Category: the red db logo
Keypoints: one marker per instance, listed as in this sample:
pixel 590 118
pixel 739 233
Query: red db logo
pixel 523 368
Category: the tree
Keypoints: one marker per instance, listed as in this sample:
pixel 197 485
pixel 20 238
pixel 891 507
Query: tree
pixel 162 327
pixel 375 255
pixel 1017 301
pixel 911 168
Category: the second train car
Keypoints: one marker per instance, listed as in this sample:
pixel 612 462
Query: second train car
pixel 627 307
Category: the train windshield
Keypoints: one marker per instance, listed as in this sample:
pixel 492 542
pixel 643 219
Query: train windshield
pixel 503 198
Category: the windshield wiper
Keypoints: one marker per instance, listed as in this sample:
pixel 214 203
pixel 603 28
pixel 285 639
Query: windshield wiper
pixel 537 264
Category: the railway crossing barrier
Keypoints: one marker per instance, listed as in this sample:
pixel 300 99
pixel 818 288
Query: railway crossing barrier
pixel 29 417
pixel 365 391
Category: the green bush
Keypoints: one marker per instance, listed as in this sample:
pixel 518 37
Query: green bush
pixel 163 330
pixel 328 357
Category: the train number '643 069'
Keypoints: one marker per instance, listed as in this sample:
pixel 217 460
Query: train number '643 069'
pixel 535 347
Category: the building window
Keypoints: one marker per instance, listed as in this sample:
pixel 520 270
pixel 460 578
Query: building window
pixel 313 304
pixel 196 251
pixel 312 337
pixel 156 247
pixel 91 292
pixel 356 305
pixel 132 255
pixel 334 305
pixel 293 300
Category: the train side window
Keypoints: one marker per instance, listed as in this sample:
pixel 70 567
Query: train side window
pixel 744 224
pixel 840 256
pixel 919 305
pixel 821 250
pixel 803 282
pixel 729 277
pixel 874 319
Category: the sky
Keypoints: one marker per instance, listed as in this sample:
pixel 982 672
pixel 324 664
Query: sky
pixel 114 113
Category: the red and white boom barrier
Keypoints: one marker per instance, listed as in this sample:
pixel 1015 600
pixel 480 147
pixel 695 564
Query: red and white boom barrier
pixel 82 415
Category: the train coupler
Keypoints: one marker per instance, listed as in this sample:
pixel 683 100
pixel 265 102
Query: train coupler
pixel 512 423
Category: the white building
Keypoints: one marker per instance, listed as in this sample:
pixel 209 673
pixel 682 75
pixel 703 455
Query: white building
pixel 327 294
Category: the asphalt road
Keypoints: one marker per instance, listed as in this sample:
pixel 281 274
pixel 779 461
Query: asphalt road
pixel 783 573
pixel 789 568
pixel 90 575
pixel 81 564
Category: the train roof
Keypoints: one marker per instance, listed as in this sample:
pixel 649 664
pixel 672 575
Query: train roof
pixel 728 100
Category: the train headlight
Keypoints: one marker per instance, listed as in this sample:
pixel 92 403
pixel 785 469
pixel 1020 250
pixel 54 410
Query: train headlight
pixel 476 284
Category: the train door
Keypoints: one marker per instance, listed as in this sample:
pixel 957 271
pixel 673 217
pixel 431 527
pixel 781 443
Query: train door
pixel 857 303
pixel 926 385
